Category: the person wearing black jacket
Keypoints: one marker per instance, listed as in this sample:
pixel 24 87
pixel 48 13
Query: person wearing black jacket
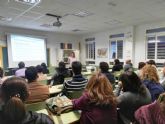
pixel 104 67
pixel 117 66
pixel 13 94
pixel 61 73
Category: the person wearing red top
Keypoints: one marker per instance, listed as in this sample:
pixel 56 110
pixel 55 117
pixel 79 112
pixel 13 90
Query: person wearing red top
pixel 98 103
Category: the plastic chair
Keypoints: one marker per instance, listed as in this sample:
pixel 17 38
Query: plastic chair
pixel 74 94
pixel 36 106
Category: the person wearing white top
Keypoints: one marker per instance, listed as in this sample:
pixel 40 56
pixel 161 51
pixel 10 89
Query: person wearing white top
pixel 71 58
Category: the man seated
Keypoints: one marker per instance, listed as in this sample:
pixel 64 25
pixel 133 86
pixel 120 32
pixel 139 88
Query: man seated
pixel 37 91
pixel 41 75
pixel 104 68
pixel 78 82
pixel 21 71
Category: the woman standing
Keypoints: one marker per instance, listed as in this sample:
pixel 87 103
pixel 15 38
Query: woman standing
pixel 72 58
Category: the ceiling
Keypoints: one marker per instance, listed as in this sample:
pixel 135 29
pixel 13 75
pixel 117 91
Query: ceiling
pixel 103 14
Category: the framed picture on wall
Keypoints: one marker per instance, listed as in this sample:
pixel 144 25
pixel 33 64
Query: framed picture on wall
pixel 102 52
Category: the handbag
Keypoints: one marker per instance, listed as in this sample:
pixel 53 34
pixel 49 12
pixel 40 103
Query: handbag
pixel 59 104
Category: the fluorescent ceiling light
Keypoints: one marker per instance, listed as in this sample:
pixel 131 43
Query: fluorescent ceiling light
pixel 32 2
pixel 82 14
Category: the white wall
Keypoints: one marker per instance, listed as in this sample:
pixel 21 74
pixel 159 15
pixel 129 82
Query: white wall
pixel 102 41
pixel 138 39
pixel 53 39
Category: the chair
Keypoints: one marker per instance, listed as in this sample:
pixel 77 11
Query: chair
pixel 36 106
pixel 74 94
pixel 117 74
pixel 51 70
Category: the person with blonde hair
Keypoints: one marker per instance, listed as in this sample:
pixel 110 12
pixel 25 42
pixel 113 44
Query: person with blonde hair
pixel 98 103
pixel 151 80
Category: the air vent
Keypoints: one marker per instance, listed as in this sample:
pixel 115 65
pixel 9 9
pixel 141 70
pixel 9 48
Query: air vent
pixel 82 14
pixel 46 25
pixel 76 30
pixel 30 2
pixel 113 4
pixel 6 19
pixel 113 22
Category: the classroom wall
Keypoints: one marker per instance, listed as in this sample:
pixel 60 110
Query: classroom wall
pixel 53 39
pixel 102 41
pixel 138 47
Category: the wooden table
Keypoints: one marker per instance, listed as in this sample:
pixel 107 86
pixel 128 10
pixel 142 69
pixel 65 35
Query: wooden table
pixel 65 118
pixel 56 89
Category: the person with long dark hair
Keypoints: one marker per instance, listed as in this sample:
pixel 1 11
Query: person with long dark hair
pixel 13 94
pixel 134 94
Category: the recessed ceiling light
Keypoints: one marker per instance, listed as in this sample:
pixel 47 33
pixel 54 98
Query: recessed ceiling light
pixel 8 19
pixel 82 14
pixel 31 2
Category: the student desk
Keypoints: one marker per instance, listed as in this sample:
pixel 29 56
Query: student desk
pixel 87 73
pixel 56 89
pixel 65 118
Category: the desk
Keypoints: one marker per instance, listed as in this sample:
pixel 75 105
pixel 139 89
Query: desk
pixel 56 89
pixel 87 73
pixel 64 118
pixel 67 118
pixel 6 77
pixel 49 77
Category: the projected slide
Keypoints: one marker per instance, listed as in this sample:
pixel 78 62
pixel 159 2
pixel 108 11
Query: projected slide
pixel 30 49
pixel 27 48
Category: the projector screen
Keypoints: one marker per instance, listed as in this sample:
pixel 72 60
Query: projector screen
pixel 29 49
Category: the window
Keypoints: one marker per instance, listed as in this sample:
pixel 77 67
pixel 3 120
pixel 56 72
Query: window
pixel 156 47
pixel 90 48
pixel 116 49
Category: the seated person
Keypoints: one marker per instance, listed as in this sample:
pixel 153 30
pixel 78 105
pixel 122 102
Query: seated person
pixel 1 75
pixel 98 103
pixel 37 91
pixel 21 71
pixel 78 82
pixel 140 67
pixel 117 66
pixel 14 93
pixel 128 65
pixel 162 81
pixel 104 69
pixel 151 80
pixel 134 94
pixel 151 62
pixel 41 75
pixel 61 73
pixel 153 113
pixel 45 69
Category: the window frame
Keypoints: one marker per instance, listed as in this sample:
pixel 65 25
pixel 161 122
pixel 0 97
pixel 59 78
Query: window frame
pixel 156 35
pixel 116 40
pixel 90 56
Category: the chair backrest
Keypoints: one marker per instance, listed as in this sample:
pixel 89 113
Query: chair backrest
pixel 74 94
pixel 36 106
